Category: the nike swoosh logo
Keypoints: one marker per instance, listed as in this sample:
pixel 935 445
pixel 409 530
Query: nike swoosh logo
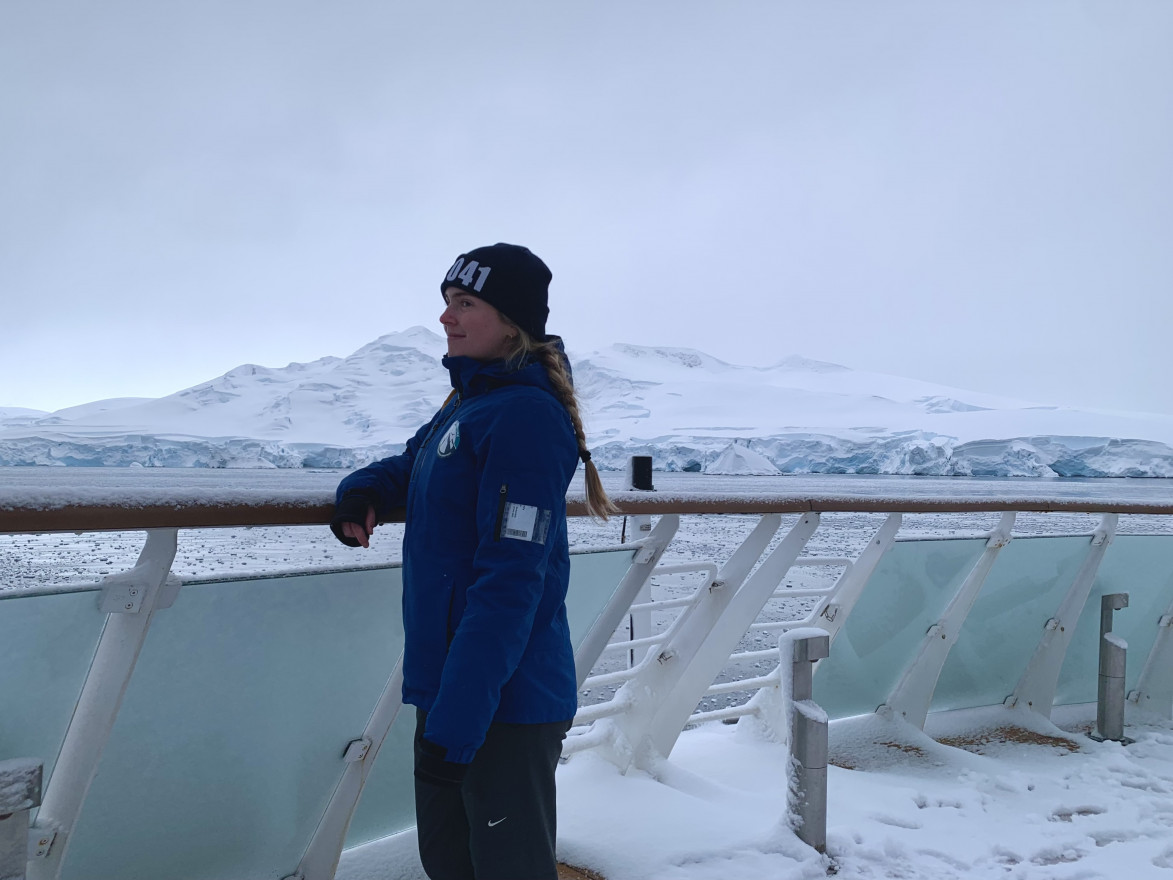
pixel 497 822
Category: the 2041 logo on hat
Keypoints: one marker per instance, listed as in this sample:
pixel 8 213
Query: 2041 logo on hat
pixel 467 273
pixel 450 441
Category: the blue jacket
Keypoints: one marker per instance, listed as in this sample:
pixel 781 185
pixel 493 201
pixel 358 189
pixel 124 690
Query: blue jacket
pixel 485 555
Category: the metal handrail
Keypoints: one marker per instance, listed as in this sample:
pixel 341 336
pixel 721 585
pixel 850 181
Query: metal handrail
pixel 168 508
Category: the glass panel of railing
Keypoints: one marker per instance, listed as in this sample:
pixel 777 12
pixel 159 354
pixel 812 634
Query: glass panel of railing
pixel 47 643
pixel 593 579
pixel 1142 567
pixel 387 805
pixel 1023 591
pixel 231 735
pixel 905 595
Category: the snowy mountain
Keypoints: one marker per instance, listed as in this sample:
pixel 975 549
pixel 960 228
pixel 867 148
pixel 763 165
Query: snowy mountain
pixel 689 410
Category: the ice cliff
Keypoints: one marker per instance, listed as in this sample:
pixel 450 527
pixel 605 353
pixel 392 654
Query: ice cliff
pixel 690 411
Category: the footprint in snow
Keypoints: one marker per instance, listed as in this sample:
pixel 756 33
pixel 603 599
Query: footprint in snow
pixel 898 823
pixel 1065 814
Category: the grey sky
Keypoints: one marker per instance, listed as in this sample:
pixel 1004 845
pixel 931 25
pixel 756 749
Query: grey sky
pixel 979 194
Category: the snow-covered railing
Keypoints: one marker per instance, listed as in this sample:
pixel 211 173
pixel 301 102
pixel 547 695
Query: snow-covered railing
pixel 913 602
pixel 914 626
pixel 31 510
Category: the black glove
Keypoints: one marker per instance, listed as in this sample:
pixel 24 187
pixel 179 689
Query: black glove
pixel 351 509
pixel 431 767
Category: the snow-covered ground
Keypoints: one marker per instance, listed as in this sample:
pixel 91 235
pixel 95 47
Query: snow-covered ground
pixel 1049 806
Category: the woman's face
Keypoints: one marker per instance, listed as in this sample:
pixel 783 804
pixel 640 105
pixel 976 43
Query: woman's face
pixel 474 328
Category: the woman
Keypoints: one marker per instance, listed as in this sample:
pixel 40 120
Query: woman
pixel 487 659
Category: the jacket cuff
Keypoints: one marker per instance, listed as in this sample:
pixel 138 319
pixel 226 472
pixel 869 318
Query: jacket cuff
pixel 431 766
pixel 351 508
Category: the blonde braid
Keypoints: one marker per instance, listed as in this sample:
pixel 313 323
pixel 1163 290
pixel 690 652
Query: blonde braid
pixel 598 504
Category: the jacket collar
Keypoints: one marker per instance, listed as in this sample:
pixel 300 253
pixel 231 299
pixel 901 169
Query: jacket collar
pixel 472 377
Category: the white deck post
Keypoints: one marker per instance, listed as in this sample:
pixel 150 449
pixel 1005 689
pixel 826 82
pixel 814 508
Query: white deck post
pixel 800 650
pixel 914 692
pixel 1036 687
pixel 638 527
pixel 20 791
pixel 130 598
pixel 1113 663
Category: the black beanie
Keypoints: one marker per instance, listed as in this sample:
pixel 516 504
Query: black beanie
pixel 508 277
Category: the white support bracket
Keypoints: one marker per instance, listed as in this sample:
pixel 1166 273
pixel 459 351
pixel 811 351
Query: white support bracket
pixel 320 860
pixel 704 646
pixel 1154 685
pixel 913 694
pixel 122 596
pixel 646 554
pixel 100 700
pixel 40 842
pixel 646 692
pixel 356 750
pixel 1036 688
pixel 642 566
pixel 842 599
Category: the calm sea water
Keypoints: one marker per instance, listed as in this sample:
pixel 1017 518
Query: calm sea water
pixel 27 482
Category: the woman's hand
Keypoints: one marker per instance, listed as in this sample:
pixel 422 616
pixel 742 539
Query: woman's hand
pixel 361 532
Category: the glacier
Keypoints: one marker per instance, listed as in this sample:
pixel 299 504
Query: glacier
pixel 683 407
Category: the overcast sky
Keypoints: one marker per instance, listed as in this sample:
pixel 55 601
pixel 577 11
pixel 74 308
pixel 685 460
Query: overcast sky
pixel 979 194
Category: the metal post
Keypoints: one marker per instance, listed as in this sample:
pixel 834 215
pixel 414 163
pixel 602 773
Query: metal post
pixel 641 473
pixel 1113 656
pixel 639 624
pixel 20 791
pixel 808 739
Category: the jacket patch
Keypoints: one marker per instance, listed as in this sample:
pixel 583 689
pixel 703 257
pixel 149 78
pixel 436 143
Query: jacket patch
pixel 450 441
pixel 525 522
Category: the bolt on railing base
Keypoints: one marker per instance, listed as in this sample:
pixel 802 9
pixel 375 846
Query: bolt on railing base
pixel 1123 740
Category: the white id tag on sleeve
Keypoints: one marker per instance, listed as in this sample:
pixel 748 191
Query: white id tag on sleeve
pixel 524 522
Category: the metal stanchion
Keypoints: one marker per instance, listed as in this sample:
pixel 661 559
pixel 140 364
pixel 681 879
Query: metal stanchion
pixel 808 739
pixel 639 624
pixel 20 791
pixel 1113 656
pixel 639 478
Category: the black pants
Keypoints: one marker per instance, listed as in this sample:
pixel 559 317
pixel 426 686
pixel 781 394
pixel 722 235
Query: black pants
pixel 501 823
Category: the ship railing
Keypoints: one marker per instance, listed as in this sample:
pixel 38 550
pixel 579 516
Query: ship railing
pixel 208 720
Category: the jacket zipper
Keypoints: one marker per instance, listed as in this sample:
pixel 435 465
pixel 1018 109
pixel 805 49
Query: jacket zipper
pixel 501 511
pixel 427 440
